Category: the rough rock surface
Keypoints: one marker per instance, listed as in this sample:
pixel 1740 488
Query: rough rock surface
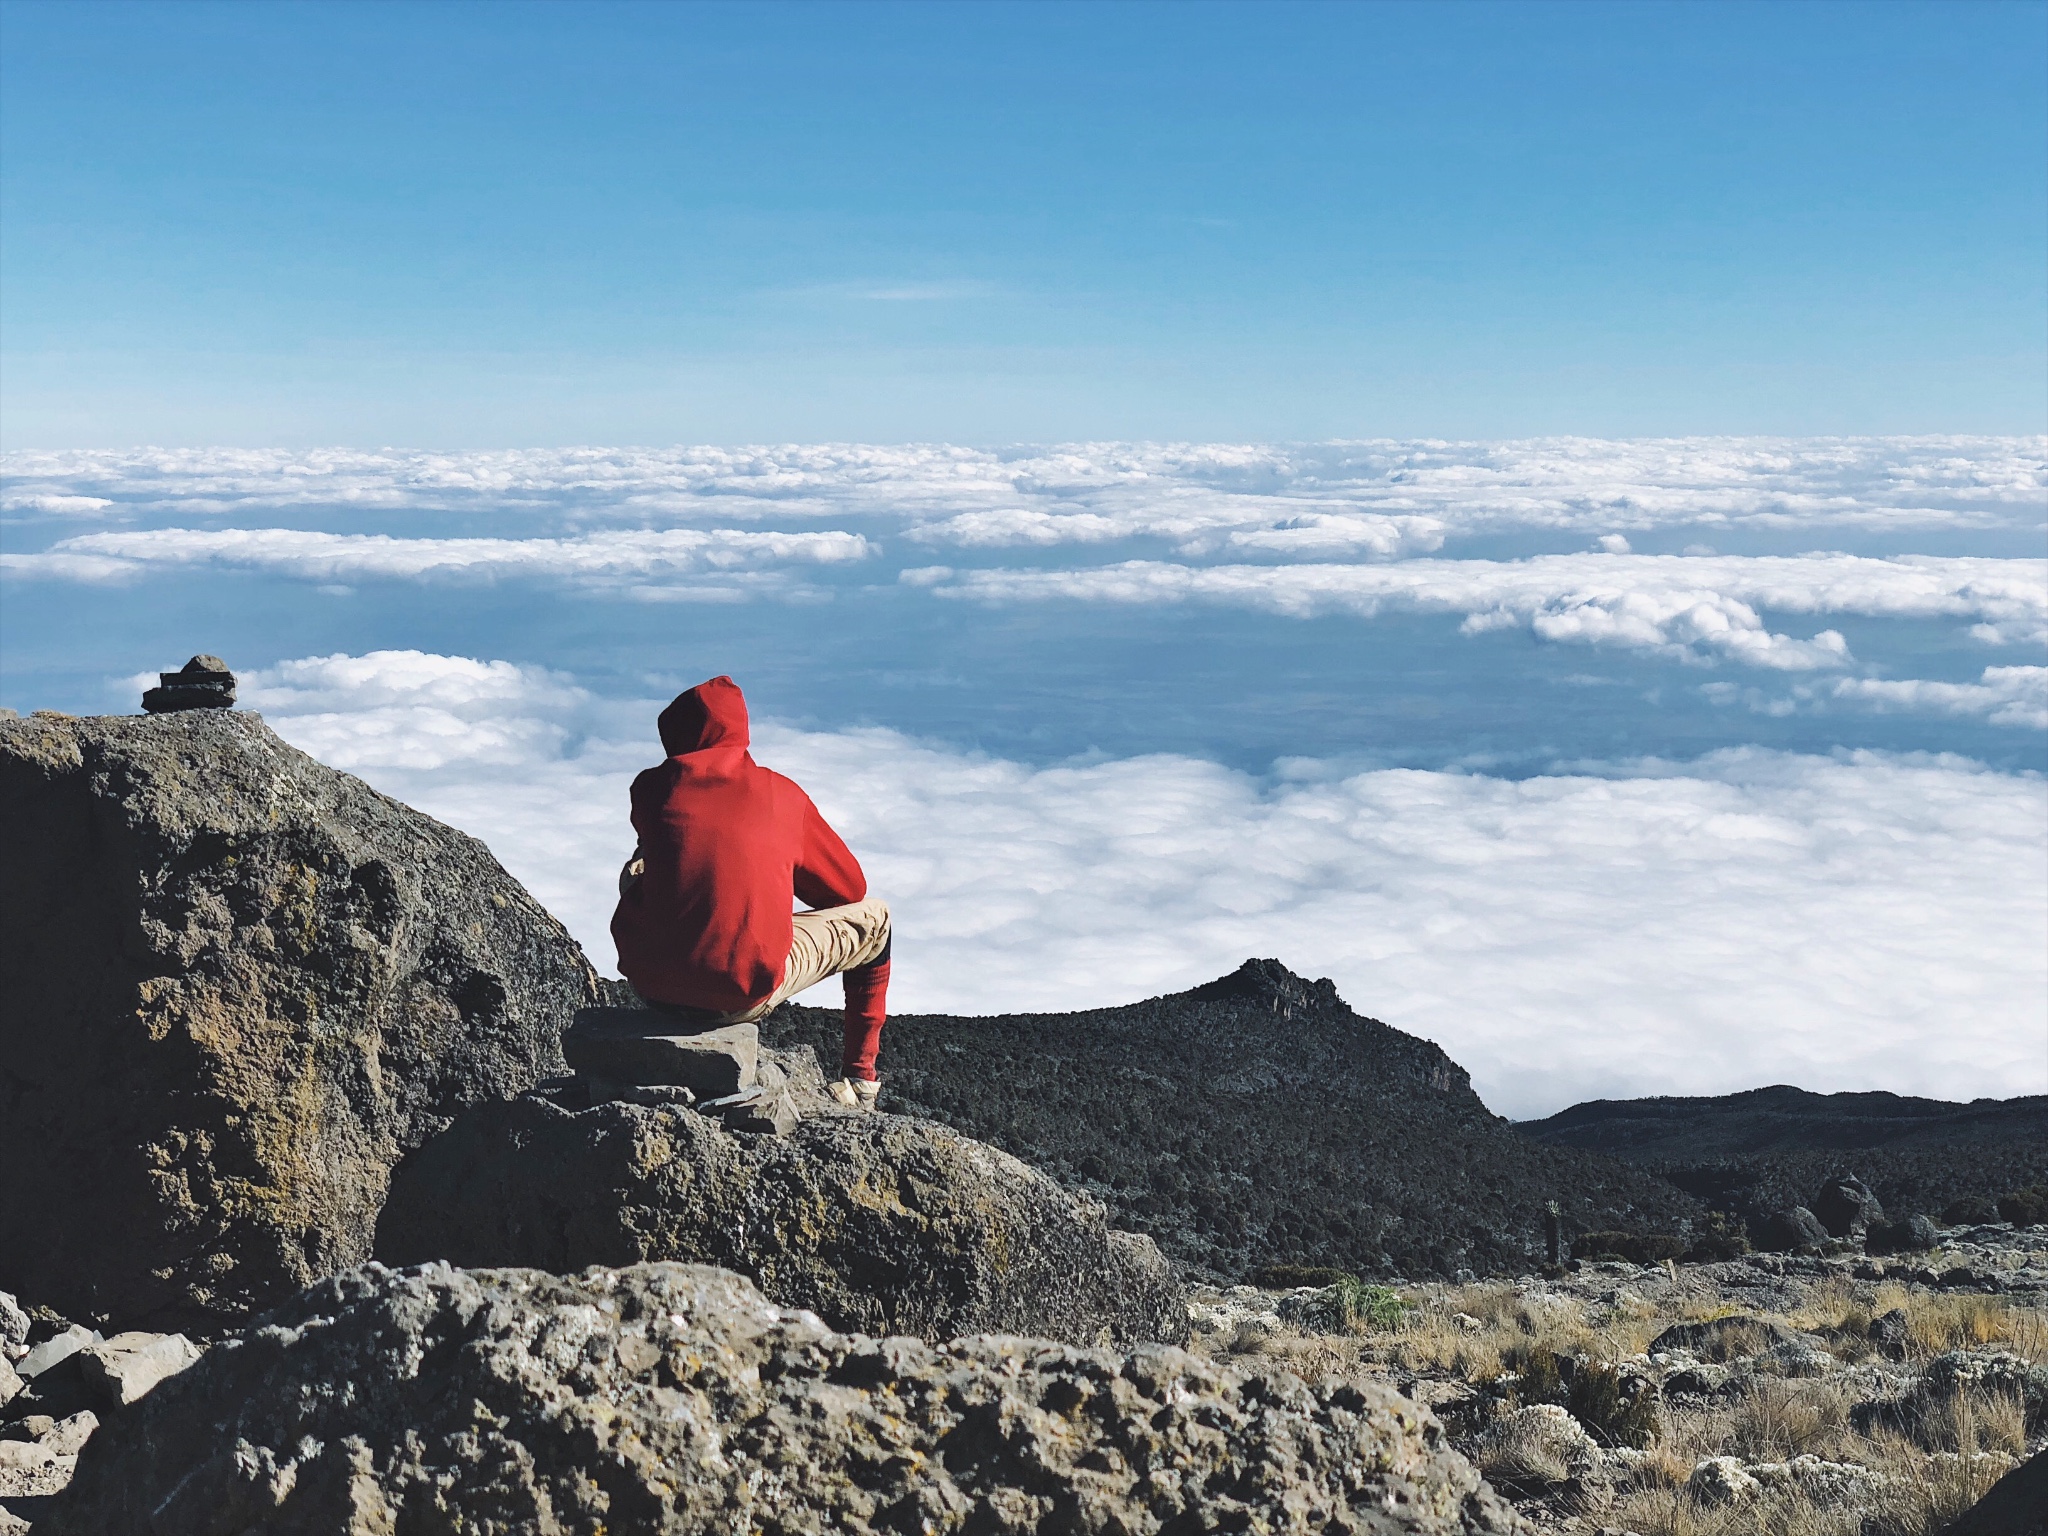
pixel 1256 1120
pixel 874 1221
pixel 239 986
pixel 669 1398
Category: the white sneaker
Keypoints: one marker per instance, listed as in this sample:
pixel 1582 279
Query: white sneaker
pixel 856 1094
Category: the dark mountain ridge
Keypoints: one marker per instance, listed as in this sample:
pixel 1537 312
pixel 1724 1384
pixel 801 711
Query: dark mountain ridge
pixel 1766 1148
pixel 1257 1120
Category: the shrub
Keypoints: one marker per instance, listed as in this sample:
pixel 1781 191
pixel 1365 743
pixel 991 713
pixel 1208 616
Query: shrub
pixel 1723 1237
pixel 1287 1277
pixel 1376 1307
pixel 2025 1207
pixel 1970 1211
pixel 1541 1375
pixel 1617 1411
pixel 1629 1247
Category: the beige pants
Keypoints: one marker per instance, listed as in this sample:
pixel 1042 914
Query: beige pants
pixel 824 943
pixel 821 945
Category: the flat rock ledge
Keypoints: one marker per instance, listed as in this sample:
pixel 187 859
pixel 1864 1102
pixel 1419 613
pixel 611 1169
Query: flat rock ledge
pixel 673 1398
pixel 878 1223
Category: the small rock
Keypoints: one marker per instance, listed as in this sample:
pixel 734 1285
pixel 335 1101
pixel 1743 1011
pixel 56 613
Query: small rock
pixel 1465 1322
pixel 204 682
pixel 1722 1480
pixel 1889 1332
pixel 1700 1380
pixel 772 1114
pixel 1797 1357
pixel 33 1427
pixel 57 1348
pixel 24 1456
pixel 13 1321
pixel 67 1436
pixel 637 1045
pixel 10 1384
pixel 126 1366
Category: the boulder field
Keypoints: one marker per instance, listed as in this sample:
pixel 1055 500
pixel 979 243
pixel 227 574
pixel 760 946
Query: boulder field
pixel 673 1398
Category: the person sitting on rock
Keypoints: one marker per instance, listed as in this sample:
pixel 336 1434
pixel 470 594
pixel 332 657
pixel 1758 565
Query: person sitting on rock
pixel 704 924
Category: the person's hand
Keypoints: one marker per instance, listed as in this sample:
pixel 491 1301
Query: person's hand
pixel 630 871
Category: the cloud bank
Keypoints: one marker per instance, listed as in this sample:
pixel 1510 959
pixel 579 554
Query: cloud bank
pixel 603 560
pixel 1689 606
pixel 1856 921
pixel 1378 498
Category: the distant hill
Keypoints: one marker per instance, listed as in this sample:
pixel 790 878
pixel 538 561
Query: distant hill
pixel 1256 1120
pixel 1770 1147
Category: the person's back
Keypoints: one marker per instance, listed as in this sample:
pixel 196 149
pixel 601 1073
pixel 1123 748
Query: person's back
pixel 705 925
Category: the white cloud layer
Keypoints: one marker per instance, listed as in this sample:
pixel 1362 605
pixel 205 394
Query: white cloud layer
pixel 1863 921
pixel 1695 606
pixel 616 559
pixel 1375 499
pixel 2011 696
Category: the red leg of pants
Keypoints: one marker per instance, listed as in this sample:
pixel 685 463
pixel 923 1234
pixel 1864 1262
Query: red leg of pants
pixel 867 994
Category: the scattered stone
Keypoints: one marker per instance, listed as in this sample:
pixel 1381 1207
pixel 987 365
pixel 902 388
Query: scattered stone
pixel 1723 1338
pixel 767 1114
pixel 1722 1480
pixel 10 1384
pixel 641 1046
pixel 67 1436
pixel 56 1349
pixel 1989 1372
pixel 1831 1484
pixel 873 1221
pixel 673 1399
pixel 1792 1230
pixel 1465 1322
pixel 13 1323
pixel 1846 1207
pixel 1700 1380
pixel 1799 1358
pixel 204 682
pixel 29 1427
pixel 1911 1234
pixel 240 986
pixel 1889 1333
pixel 126 1366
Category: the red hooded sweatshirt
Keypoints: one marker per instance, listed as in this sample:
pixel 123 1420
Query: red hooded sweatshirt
pixel 726 844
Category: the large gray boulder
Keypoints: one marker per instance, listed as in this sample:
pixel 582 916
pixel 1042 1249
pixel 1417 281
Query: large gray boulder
pixel 672 1399
pixel 876 1222
pixel 239 986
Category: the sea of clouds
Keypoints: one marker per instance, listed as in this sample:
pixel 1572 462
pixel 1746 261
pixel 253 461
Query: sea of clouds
pixel 1647 927
pixel 1696 902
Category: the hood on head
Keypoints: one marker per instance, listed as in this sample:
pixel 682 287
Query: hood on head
pixel 712 714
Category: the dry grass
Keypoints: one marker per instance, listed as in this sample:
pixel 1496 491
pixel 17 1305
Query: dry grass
pixel 1929 1474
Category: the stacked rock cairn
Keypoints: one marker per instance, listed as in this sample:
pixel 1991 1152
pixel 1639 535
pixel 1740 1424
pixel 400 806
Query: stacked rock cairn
pixel 204 682
pixel 663 1058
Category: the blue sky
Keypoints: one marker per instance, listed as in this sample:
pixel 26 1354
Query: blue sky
pixel 1539 513
pixel 506 225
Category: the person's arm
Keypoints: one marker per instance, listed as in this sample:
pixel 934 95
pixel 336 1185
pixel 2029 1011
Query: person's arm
pixel 827 874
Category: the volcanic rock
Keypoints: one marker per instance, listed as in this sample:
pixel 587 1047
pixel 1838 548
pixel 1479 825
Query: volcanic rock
pixel 1846 1207
pixel 2014 1505
pixel 638 1046
pixel 239 986
pixel 875 1222
pixel 1254 1121
pixel 1790 1230
pixel 204 682
pixel 673 1399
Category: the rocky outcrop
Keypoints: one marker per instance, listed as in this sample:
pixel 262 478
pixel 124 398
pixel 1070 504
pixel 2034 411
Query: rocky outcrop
pixel 240 985
pixel 876 1222
pixel 668 1398
pixel 1257 1120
